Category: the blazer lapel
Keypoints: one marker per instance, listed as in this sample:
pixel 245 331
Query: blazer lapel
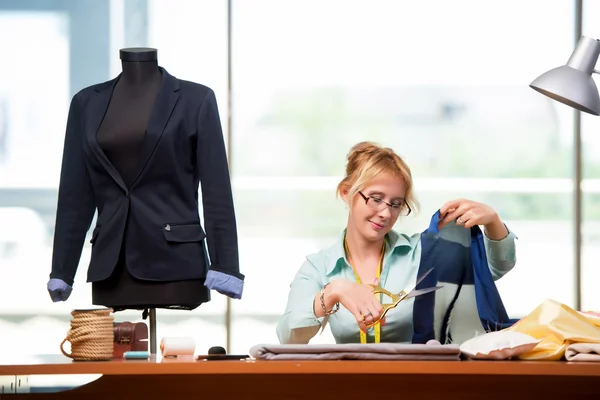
pixel 161 113
pixel 99 106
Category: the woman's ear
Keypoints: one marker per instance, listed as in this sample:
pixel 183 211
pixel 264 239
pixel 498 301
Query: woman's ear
pixel 344 194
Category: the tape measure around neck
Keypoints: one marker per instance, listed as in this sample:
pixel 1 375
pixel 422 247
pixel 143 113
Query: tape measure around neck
pixel 377 326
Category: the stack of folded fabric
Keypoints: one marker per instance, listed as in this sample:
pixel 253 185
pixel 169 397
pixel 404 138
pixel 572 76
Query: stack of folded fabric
pixel 562 333
pixel 381 351
pixel 583 352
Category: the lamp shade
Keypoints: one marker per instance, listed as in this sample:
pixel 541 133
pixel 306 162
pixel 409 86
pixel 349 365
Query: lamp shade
pixel 572 84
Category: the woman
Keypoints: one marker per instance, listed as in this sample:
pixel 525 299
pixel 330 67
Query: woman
pixel 377 189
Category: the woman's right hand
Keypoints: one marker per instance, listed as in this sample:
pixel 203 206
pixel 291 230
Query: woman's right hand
pixel 359 300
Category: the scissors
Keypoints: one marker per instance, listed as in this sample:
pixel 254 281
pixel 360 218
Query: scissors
pixel 403 295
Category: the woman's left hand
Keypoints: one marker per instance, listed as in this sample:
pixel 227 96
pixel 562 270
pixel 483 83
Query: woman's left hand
pixel 469 213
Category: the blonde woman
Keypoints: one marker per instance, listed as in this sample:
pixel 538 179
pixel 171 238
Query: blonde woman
pixel 377 189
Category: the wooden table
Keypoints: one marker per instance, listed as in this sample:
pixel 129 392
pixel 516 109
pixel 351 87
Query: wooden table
pixel 236 380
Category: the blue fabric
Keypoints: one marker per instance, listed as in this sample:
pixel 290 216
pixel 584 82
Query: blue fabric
pixel 221 279
pixel 59 290
pixel 227 285
pixel 455 263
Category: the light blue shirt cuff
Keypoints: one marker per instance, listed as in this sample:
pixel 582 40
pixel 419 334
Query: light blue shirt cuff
pixel 225 284
pixel 501 254
pixel 59 290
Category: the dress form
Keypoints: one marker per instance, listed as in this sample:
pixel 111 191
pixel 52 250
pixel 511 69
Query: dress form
pixel 120 136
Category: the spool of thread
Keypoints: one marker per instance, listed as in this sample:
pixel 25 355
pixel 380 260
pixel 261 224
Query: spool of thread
pixel 177 346
pixel 91 335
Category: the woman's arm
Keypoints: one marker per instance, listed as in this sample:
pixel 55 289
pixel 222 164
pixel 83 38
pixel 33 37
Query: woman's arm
pixel 299 324
pixel 500 248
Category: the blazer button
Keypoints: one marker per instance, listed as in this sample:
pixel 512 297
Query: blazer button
pixel 168 228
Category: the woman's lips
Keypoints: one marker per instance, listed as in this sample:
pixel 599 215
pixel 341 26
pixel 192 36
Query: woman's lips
pixel 376 226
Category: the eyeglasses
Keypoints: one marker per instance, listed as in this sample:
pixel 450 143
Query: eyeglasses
pixel 378 204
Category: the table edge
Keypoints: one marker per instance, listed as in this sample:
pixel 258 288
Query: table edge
pixel 333 367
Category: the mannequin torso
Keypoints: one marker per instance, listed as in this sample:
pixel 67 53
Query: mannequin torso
pixel 124 125
pixel 120 136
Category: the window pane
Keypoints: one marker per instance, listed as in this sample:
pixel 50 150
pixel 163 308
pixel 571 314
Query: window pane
pixel 590 135
pixel 450 95
pixel 80 42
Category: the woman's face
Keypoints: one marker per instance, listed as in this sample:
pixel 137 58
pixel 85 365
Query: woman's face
pixel 372 217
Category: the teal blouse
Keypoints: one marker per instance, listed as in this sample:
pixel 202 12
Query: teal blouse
pixel 401 261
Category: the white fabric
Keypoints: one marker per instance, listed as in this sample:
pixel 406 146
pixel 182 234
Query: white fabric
pixel 499 345
pixel 583 352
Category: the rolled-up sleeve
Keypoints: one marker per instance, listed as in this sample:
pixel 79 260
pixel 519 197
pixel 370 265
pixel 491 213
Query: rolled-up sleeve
pixel 298 324
pixel 224 274
pixel 501 254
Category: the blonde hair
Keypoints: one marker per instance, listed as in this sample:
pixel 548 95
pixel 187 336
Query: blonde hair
pixel 367 161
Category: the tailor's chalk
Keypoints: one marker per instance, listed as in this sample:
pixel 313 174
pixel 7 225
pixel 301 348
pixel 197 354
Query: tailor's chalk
pixel 135 355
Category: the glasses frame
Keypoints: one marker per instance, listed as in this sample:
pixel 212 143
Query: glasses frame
pixel 390 206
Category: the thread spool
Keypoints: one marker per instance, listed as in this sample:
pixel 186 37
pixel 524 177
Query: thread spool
pixel 177 346
pixel 91 335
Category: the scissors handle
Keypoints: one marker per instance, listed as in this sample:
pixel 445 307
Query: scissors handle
pixel 379 290
pixel 386 308
pixel 397 298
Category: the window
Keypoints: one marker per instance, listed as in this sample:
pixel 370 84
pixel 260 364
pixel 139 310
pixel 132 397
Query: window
pixel 444 83
pixel 312 78
pixel 76 44
pixel 590 136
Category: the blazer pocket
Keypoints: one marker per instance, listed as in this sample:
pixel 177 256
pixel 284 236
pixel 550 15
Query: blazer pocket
pixel 184 233
pixel 95 233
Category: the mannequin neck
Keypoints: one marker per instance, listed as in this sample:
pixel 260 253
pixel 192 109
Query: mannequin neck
pixel 140 72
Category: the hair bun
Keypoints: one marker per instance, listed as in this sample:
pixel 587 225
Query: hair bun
pixel 362 149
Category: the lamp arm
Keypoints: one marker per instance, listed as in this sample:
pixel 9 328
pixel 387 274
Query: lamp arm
pixel 596 71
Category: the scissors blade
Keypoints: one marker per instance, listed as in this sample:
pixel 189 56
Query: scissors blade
pixel 423 277
pixel 418 281
pixel 419 292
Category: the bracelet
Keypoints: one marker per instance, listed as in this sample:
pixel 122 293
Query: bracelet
pixel 334 309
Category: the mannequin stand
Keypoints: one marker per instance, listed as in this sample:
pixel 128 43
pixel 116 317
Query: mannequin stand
pixel 152 316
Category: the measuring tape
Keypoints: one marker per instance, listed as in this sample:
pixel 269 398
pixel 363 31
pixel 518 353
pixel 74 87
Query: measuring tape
pixel 377 326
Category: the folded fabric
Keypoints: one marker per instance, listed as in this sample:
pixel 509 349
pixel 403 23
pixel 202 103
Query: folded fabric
pixel 501 345
pixel 351 351
pixel 557 326
pixel 583 352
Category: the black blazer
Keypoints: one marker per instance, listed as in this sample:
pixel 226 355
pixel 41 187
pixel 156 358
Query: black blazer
pixel 159 214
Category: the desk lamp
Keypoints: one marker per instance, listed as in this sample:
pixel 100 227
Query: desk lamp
pixel 572 84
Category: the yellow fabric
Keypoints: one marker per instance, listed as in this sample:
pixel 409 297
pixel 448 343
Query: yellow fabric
pixel 377 326
pixel 557 326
